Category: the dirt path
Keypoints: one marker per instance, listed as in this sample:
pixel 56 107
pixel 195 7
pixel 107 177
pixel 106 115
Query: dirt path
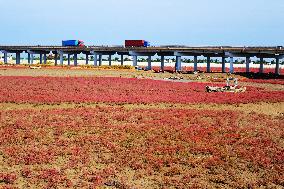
pixel 98 72
pixel 273 109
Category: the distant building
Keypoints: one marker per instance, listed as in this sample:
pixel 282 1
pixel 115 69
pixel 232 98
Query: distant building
pixel 130 58
pixel 10 57
pixel 169 60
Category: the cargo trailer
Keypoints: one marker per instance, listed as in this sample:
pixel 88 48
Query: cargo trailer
pixel 73 43
pixel 137 43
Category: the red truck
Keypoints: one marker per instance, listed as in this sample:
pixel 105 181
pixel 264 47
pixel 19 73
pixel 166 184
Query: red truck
pixel 136 43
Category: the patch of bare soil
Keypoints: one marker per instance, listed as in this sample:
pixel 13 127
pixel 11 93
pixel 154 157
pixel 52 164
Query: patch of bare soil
pixel 268 86
pixel 272 109
pixel 128 73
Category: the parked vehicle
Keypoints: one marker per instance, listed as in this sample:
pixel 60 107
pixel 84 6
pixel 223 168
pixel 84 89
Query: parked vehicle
pixel 73 43
pixel 137 43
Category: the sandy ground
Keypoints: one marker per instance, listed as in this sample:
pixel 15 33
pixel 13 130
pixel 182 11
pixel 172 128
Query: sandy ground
pixel 272 109
pixel 98 72
pixel 172 64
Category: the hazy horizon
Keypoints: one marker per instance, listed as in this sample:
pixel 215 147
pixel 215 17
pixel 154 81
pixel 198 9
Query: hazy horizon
pixel 163 22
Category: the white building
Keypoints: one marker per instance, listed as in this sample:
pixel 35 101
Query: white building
pixel 9 58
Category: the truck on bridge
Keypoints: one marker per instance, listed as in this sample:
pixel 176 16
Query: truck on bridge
pixel 73 43
pixel 137 43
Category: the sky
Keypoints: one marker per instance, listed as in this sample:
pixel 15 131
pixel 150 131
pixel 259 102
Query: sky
pixel 162 22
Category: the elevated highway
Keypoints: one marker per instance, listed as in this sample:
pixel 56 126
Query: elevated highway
pixel 97 52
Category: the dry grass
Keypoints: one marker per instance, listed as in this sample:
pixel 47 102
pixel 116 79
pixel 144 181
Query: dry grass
pixel 266 108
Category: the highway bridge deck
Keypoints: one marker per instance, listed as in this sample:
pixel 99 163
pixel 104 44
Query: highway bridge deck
pixel 275 52
pixel 210 49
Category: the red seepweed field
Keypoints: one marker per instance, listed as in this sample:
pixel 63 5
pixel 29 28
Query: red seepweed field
pixel 117 132
pixel 121 90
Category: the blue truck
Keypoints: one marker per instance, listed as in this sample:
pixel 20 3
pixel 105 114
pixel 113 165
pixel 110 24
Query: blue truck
pixel 73 43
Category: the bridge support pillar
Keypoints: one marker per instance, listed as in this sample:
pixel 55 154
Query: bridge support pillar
pixel 195 64
pixel 95 60
pixel 231 64
pixel 18 58
pixel 208 64
pixel 40 58
pixel 29 58
pixel 5 58
pixel 178 64
pixel 68 59
pixel 87 59
pixel 149 67
pixel 261 65
pixel 134 60
pixel 44 58
pixel 247 64
pixel 121 60
pixel 109 60
pixel 32 58
pixel 277 70
pixel 61 58
pixel 223 65
pixel 100 60
pixel 162 63
pixel 75 60
pixel 55 59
